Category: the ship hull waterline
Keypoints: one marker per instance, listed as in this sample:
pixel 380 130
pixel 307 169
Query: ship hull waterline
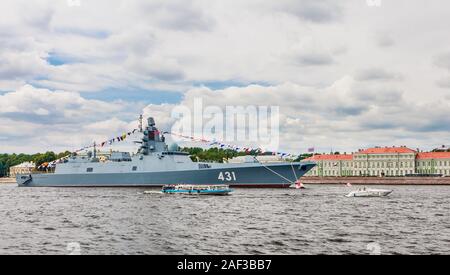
pixel 269 176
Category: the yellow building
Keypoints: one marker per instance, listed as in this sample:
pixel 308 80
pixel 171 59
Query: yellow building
pixel 331 166
pixel 384 161
pixel 23 168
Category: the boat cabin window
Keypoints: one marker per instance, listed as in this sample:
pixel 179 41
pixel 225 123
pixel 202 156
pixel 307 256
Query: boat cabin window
pixel 203 166
pixel 134 168
pixel 90 170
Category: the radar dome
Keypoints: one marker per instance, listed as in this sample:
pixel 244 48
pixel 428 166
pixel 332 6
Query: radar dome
pixel 174 147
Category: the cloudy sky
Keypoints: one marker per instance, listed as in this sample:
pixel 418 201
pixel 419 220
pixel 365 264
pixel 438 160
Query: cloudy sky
pixel 346 74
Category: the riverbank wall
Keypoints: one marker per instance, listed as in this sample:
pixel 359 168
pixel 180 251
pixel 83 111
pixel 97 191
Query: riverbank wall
pixel 377 180
pixel 7 180
pixel 351 180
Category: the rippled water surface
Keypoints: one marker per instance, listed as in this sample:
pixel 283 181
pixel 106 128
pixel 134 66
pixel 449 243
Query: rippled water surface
pixel 414 220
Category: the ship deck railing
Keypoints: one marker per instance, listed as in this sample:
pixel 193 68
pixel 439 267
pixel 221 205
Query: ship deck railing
pixel 49 171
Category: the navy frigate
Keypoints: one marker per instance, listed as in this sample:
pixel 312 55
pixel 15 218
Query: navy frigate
pixel 155 165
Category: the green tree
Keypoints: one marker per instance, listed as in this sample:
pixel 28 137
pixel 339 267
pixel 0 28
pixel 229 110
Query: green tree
pixel 3 170
pixel 302 157
pixel 9 160
pixel 212 154
pixel 43 158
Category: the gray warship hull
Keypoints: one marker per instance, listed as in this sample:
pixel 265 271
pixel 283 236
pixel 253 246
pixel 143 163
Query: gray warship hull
pixel 257 175
pixel 155 165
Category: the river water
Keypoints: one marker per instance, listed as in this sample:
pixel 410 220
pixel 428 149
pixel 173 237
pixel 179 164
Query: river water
pixel 318 220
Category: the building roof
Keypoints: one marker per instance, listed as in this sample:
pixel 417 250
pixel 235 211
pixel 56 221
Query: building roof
pixel 434 155
pixel 25 165
pixel 400 150
pixel 330 157
pixel 387 150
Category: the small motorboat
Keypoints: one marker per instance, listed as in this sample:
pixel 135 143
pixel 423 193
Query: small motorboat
pixel 197 189
pixel 368 192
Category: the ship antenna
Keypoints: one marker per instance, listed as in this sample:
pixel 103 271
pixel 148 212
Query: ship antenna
pixel 140 123
pixel 95 150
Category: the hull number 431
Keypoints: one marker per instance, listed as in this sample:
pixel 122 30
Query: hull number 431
pixel 227 176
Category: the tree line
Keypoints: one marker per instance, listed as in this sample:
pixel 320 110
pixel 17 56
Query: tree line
pixel 220 155
pixel 212 154
pixel 9 160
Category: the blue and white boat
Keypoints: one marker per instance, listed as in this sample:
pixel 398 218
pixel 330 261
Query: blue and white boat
pixel 197 189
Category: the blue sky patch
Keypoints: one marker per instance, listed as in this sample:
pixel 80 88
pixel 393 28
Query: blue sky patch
pixel 92 33
pixel 136 95
pixel 220 85
pixel 55 59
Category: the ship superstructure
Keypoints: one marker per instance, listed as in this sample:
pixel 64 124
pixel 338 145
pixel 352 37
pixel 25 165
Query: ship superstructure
pixel 155 165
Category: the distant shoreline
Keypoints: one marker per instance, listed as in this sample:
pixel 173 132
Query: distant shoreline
pixel 351 180
pixel 7 180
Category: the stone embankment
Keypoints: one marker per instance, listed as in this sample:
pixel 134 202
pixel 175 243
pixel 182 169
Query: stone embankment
pixel 7 180
pixel 378 180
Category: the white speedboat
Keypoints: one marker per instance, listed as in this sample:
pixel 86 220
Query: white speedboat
pixel 368 192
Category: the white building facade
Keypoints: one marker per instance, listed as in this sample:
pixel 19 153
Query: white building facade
pixel 382 161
